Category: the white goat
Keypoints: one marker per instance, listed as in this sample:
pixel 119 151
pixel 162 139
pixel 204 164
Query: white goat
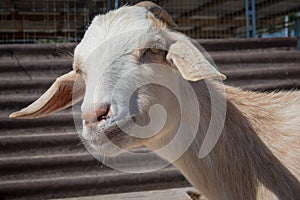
pixel 257 154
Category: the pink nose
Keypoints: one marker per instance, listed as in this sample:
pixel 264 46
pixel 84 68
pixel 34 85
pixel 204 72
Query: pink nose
pixel 99 114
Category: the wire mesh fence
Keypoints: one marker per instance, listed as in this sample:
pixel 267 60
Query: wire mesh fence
pixel 36 21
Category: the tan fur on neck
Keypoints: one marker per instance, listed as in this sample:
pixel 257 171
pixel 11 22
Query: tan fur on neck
pixel 257 155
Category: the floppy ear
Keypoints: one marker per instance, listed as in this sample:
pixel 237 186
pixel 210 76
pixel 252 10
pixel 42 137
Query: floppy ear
pixel 67 90
pixel 190 62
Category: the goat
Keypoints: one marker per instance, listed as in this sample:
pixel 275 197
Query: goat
pixel 255 157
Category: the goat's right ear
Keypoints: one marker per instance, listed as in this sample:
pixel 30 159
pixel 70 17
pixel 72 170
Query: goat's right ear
pixel 190 62
pixel 67 90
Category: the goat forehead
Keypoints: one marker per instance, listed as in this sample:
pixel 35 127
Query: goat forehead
pixel 110 29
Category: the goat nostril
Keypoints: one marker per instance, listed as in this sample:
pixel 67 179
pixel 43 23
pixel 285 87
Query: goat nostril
pixel 103 112
pixel 100 114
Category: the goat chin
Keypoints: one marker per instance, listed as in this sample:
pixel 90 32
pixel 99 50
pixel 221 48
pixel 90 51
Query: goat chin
pixel 257 154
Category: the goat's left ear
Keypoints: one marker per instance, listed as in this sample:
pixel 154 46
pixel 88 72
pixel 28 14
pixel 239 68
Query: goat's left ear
pixel 190 62
pixel 67 90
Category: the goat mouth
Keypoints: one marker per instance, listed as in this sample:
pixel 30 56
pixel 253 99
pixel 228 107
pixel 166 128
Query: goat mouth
pixel 109 128
pixel 108 135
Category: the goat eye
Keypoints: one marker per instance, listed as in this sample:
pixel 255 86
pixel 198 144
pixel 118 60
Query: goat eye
pixel 79 71
pixel 155 50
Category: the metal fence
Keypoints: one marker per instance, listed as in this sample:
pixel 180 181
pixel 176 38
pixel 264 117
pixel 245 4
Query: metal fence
pixel 28 21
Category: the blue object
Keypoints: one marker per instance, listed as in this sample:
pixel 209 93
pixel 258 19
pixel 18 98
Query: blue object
pixel 253 14
pixel 253 19
pixel 247 19
pixel 116 4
